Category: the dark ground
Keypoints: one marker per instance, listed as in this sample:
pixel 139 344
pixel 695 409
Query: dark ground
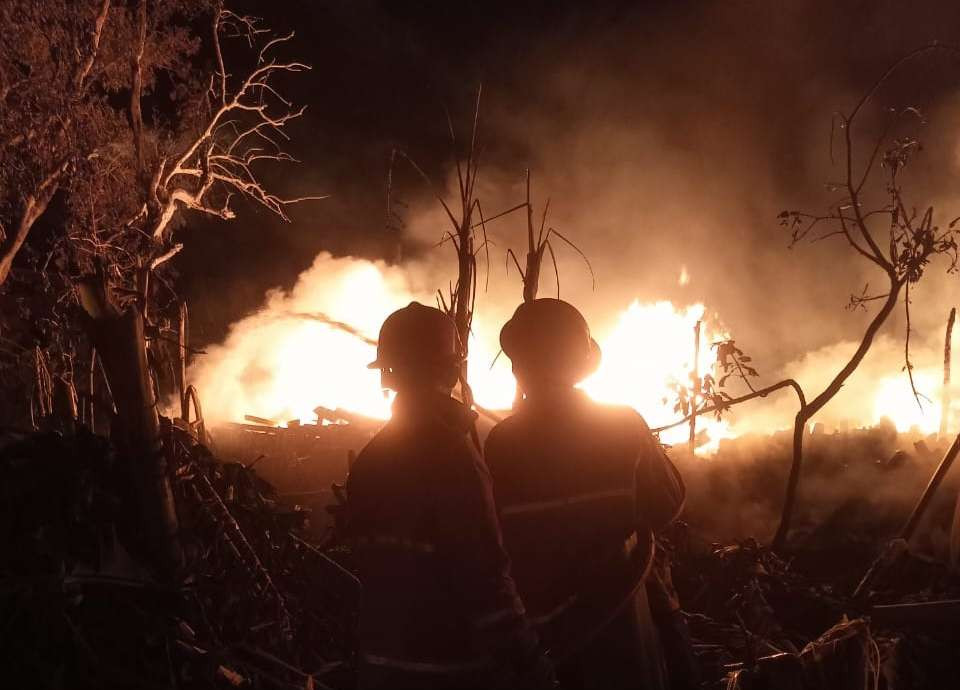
pixel 261 607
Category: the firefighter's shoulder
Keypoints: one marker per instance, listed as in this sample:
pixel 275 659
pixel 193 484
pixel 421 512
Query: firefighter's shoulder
pixel 502 431
pixel 619 420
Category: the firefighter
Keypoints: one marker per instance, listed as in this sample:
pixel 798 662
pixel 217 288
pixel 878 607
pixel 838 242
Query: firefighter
pixel 580 487
pixel 440 609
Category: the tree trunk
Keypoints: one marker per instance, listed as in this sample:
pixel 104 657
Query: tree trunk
pixel 945 392
pixel 182 335
pixel 921 507
pixel 34 206
pixel 694 398
pixel 807 411
pixel 531 279
pixel 955 536
pixel 89 405
pixel 799 429
pixel 64 417
pixel 121 346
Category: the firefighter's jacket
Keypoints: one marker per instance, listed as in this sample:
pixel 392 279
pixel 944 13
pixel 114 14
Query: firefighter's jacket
pixel 438 598
pixel 579 487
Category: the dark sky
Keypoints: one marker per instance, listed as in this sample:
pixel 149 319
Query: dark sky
pixel 664 132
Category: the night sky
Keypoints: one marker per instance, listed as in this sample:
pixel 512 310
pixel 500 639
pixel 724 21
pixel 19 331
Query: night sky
pixel 672 132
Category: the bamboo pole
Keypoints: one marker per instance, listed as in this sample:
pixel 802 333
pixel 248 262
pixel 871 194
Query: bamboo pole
pixel 911 525
pixel 90 407
pixel 696 387
pixel 895 548
pixel 531 280
pixel 955 536
pixel 182 362
pixel 945 393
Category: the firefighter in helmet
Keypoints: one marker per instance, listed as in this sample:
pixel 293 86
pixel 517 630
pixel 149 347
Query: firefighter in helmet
pixel 580 487
pixel 440 609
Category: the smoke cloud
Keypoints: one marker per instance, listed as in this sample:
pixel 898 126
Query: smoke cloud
pixel 666 141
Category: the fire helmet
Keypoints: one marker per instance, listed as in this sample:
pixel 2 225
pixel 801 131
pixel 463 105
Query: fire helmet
pixel 417 337
pixel 550 337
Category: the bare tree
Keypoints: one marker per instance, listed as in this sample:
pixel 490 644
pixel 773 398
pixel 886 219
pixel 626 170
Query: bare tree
pixel 130 114
pixel 460 299
pixel 538 244
pixel 234 125
pixel 896 238
pixel 893 236
pixel 134 118
pixel 159 107
pixel 466 218
pixel 48 61
pixel 947 356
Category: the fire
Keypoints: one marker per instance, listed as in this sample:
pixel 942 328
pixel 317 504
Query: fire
pixel 895 401
pixel 650 348
pixel 288 358
pixel 281 363
pixel 284 361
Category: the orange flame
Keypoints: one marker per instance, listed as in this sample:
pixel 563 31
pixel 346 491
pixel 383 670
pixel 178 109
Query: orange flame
pixel 281 364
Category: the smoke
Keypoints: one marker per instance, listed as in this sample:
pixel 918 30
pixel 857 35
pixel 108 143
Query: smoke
pixel 878 389
pixel 309 346
pixel 670 139
pixel 666 141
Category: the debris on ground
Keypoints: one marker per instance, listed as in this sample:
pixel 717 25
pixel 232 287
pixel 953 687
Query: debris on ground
pixel 263 602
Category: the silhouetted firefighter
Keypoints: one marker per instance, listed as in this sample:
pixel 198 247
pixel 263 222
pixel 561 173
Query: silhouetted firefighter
pixel 440 609
pixel 580 487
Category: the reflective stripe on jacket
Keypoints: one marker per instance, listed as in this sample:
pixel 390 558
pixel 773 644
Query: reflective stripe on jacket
pixel 438 596
pixel 579 487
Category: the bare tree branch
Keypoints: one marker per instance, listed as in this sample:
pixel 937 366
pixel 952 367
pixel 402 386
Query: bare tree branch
pixel 95 34
pixel 136 91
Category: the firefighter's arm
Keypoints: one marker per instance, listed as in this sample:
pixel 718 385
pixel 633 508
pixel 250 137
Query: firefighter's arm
pixel 493 450
pixel 660 489
pixel 470 539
